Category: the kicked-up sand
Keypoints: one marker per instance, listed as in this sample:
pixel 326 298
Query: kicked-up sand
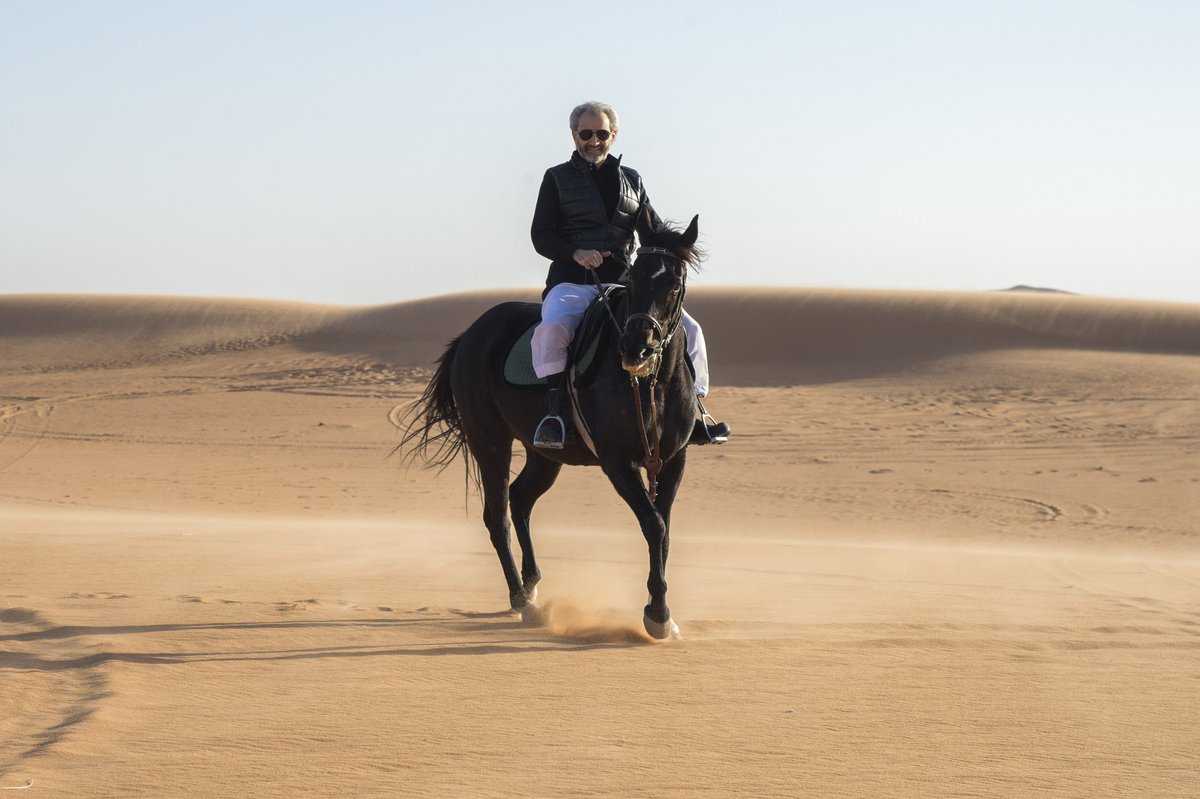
pixel 951 550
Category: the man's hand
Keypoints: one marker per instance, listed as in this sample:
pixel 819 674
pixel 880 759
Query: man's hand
pixel 590 259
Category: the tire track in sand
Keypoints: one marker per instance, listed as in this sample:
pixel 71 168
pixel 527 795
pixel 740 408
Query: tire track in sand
pixel 22 428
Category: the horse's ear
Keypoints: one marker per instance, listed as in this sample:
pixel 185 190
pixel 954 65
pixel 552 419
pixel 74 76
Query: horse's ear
pixel 692 233
pixel 645 223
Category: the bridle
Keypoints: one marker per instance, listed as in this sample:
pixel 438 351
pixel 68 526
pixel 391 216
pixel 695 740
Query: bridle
pixel 675 317
pixel 652 461
pixel 653 458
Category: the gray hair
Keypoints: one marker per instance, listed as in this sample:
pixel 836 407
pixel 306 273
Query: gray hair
pixel 594 107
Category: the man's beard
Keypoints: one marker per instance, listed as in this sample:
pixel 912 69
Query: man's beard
pixel 596 158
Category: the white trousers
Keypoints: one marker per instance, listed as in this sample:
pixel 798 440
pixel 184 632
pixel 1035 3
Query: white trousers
pixel 562 311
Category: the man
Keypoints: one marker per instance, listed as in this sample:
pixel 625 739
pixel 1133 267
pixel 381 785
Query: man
pixel 584 222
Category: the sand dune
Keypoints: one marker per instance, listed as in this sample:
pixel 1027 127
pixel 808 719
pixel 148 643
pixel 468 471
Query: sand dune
pixel 793 329
pixel 951 551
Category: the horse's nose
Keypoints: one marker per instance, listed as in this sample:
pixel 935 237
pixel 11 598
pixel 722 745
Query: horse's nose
pixel 637 343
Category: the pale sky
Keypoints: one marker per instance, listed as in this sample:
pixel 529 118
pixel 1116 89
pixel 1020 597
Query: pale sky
pixel 372 152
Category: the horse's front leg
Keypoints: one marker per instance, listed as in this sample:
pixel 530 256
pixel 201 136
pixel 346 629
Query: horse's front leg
pixel 669 480
pixel 627 479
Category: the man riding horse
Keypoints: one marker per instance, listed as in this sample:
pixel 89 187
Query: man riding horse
pixel 584 223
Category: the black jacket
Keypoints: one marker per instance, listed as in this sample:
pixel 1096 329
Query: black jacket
pixel 580 207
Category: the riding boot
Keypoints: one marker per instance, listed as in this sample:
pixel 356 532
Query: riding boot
pixel 553 430
pixel 708 430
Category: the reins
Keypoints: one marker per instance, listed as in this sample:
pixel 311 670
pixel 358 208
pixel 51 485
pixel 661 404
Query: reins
pixel 603 296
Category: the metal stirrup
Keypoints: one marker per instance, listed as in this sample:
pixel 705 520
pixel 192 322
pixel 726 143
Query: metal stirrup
pixel 709 422
pixel 547 443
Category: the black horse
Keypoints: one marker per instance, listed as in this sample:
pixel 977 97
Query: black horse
pixel 469 405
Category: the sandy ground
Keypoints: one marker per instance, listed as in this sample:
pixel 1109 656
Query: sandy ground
pixel 952 550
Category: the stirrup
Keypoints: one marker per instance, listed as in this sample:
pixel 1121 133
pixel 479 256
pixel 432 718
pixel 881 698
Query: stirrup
pixel 714 432
pixel 718 432
pixel 705 433
pixel 545 438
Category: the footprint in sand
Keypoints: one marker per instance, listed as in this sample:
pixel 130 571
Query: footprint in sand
pixel 99 595
pixel 306 604
pixel 192 599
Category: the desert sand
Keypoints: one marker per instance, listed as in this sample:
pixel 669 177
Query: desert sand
pixel 952 550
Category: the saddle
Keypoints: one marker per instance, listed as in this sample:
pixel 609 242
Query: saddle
pixel 581 355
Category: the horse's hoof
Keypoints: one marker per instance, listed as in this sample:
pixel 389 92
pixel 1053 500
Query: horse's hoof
pixel 661 630
pixel 532 616
pixel 531 593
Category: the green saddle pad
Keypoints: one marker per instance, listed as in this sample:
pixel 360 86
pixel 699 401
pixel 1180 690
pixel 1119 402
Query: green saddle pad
pixel 518 367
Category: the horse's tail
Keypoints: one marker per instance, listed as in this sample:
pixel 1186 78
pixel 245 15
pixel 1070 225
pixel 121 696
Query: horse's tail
pixel 432 426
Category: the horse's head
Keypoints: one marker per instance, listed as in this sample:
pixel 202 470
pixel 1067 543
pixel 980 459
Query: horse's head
pixel 659 279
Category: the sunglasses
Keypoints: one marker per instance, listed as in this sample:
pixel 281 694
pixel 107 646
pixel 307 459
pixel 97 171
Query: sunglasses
pixel 586 135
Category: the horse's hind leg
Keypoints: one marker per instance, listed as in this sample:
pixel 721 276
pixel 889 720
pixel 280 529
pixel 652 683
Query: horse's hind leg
pixel 494 460
pixel 533 481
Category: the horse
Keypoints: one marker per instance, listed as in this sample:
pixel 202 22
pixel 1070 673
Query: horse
pixel 640 409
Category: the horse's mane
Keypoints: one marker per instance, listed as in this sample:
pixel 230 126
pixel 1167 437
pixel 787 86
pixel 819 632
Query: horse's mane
pixel 669 236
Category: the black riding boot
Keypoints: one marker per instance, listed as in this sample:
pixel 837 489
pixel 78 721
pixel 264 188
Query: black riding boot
pixel 554 428
pixel 708 430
